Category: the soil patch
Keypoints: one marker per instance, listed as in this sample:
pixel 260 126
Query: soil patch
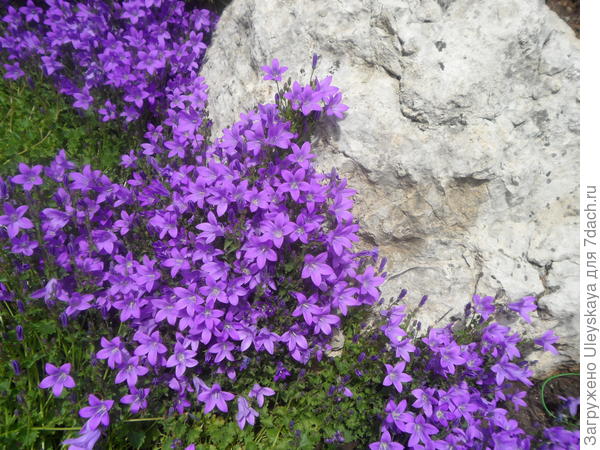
pixel 568 10
pixel 533 417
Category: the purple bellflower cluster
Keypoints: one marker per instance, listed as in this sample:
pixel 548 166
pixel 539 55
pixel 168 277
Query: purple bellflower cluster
pixel 464 404
pixel 121 59
pixel 210 254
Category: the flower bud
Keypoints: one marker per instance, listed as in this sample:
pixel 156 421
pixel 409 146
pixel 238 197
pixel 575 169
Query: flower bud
pixel 16 367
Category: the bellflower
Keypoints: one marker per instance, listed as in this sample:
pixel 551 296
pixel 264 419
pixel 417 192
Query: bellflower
pixel 136 400
pixel 245 413
pixel 274 71
pixel 396 375
pixel 546 341
pixel 85 441
pixel 385 443
pixel 420 431
pixel 214 396
pixel 97 412
pixel 259 393
pixel 58 378
pixel 315 267
pixel 572 404
pixel 524 307
pixel 181 359
pixel 14 219
pixel 484 306
pixel 29 176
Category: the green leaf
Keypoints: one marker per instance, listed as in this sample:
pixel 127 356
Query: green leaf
pixel 136 438
pixel 44 327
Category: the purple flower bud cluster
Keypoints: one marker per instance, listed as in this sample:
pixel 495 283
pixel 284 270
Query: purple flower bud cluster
pixel 464 402
pixel 120 59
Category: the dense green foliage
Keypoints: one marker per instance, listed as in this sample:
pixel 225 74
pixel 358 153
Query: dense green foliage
pixel 37 120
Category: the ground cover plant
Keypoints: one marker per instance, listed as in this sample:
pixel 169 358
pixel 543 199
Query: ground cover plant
pixel 37 121
pixel 198 303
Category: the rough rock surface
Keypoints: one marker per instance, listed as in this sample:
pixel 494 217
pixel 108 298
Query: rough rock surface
pixel 462 138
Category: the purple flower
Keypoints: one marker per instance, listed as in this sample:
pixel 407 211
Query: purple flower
pixel 245 413
pixel 260 250
pixel 507 370
pixel 16 367
pixel 78 302
pixel 85 180
pixel 56 219
pixel 215 397
pixel 562 438
pixel 113 351
pixel 29 176
pixel 294 339
pixel 315 59
pixel 274 71
pixel 304 98
pixel 396 376
pixel 397 414
pixel 315 267
pixel 13 71
pixel 150 346
pixel 572 404
pixel 517 400
pixel 420 431
pixel 424 400
pixel 14 219
pixel 335 107
pixel 58 378
pixel 259 393
pixel 281 373
pixel 484 306
pixel 178 261
pixel 524 307
pixel 211 229
pixel 294 184
pixel 83 100
pixel 85 441
pixel 547 340
pixel 108 111
pixel 307 307
pixel 277 228
pixel 97 412
pixel 222 350
pixel 451 356
pixel 369 282
pixel 385 443
pixel 19 331
pixel 104 240
pixel 181 359
pixel 131 371
pixel 22 245
pixel 136 400
pixel 324 322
